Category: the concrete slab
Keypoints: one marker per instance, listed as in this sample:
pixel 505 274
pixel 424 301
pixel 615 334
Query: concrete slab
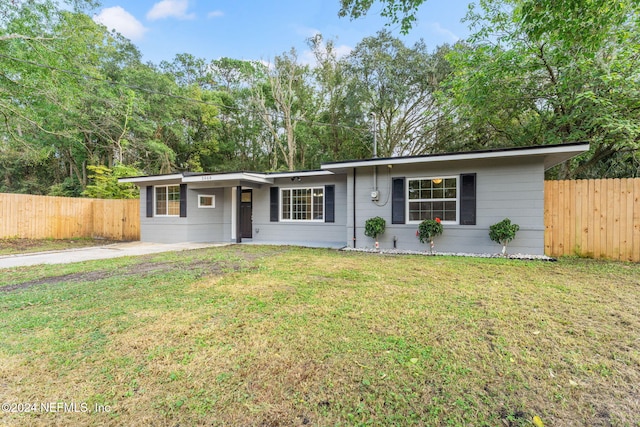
pixel 115 250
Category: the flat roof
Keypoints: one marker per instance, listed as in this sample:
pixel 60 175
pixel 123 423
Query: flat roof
pixel 553 154
pixel 216 177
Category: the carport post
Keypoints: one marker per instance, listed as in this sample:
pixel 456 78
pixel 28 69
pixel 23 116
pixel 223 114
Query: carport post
pixel 238 214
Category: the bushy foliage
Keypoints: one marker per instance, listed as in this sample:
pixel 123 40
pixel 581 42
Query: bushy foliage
pixel 105 183
pixel 503 232
pixel 428 229
pixel 374 227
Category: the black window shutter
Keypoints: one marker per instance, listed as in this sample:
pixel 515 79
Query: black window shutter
pixel 274 204
pixel 468 199
pixel 183 200
pixel 149 201
pixel 329 203
pixel 397 201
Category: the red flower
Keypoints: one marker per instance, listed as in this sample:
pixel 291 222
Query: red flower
pixel 438 220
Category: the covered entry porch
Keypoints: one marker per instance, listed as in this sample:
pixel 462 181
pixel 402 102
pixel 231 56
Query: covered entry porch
pixel 238 200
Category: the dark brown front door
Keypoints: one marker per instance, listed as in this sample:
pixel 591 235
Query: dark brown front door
pixel 246 214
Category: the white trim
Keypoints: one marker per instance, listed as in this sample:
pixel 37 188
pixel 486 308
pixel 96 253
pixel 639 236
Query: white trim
pixel 570 151
pixel 443 177
pixel 136 179
pixel 282 219
pixel 234 214
pixel 213 201
pixel 259 178
pixel 155 201
pixel 295 174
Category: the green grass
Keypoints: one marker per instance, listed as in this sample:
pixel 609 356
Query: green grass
pixel 18 246
pixel 250 335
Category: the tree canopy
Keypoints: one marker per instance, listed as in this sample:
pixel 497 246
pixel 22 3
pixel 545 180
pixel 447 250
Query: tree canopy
pixel 78 108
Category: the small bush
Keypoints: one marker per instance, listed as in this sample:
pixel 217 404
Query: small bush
pixel 428 229
pixel 374 227
pixel 503 232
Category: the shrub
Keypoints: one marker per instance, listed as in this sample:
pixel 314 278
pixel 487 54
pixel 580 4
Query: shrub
pixel 428 229
pixel 374 227
pixel 503 232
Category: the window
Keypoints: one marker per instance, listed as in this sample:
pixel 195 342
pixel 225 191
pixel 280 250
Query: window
pixel 206 201
pixel 431 198
pixel 302 204
pixel 168 200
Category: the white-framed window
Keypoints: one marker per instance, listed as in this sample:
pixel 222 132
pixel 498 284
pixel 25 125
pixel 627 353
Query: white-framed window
pixel 302 204
pixel 431 198
pixel 207 201
pixel 167 200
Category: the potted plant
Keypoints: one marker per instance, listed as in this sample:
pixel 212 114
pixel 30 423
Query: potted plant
pixel 427 230
pixel 503 232
pixel 374 227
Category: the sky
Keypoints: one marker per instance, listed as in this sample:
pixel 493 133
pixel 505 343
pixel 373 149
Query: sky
pixel 260 29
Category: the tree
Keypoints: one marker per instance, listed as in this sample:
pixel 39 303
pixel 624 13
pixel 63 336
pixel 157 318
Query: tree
pixel 375 227
pixel 397 84
pixel 55 104
pixel 503 232
pixel 340 126
pixel 241 132
pixel 396 11
pixel 281 104
pixel 105 183
pixel 551 72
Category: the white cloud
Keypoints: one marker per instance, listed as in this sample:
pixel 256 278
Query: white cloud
pixel 342 50
pixel 215 14
pixel 116 18
pixel 436 28
pixel 170 9
pixel 306 32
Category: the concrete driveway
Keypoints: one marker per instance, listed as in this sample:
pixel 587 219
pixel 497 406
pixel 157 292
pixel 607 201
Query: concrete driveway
pixel 97 252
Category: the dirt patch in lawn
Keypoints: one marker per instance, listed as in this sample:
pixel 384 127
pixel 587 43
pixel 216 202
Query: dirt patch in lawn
pixel 23 246
pixel 205 268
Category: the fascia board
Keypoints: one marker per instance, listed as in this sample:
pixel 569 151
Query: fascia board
pixel 559 152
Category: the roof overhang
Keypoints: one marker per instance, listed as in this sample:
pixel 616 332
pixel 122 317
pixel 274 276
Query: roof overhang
pixel 552 154
pixel 233 177
pixel 296 174
pixel 154 178
pixel 222 179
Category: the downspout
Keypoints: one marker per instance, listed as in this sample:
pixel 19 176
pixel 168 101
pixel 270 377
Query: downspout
pixel 354 207
pixel 375 151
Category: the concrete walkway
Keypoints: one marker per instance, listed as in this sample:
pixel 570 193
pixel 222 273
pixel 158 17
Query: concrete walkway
pixel 97 252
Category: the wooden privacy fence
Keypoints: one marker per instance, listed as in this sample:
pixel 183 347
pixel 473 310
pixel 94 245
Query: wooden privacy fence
pixel 41 217
pixel 593 218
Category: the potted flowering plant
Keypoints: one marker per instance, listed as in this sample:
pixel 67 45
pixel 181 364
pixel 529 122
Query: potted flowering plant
pixel 374 227
pixel 427 230
pixel 503 232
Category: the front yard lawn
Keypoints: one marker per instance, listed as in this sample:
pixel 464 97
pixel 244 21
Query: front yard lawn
pixel 20 246
pixel 269 336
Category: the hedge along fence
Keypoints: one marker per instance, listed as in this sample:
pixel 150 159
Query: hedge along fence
pixel 42 217
pixel 593 218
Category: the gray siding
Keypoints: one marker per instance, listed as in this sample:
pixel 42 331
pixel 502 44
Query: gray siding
pixel 301 232
pixel 200 225
pixel 504 189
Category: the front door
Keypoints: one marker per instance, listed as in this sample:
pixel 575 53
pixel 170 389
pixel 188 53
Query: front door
pixel 246 214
